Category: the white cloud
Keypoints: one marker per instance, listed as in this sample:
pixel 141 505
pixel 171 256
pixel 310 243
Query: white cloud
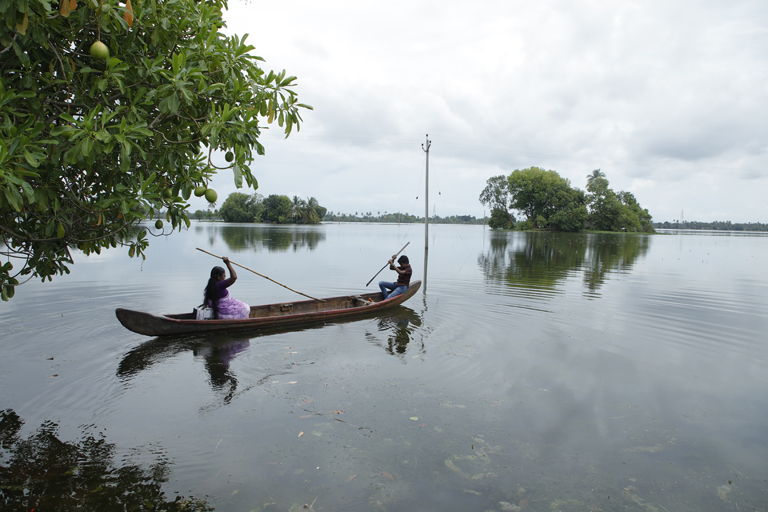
pixel 667 98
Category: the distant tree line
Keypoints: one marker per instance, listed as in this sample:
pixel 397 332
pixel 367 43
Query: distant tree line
pixel 280 209
pixel 207 214
pixel 716 225
pixel 398 218
pixel 212 214
pixel 273 209
pixel 547 201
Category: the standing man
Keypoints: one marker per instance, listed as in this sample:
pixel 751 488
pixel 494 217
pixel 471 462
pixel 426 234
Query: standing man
pixel 404 272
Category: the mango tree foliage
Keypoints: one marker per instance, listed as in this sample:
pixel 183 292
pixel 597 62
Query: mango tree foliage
pixel 612 211
pixel 278 209
pixel 501 219
pixel 239 207
pixel 496 195
pixel 89 147
pixel 547 200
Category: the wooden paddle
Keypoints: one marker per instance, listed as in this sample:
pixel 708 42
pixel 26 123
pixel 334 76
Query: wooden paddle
pixel 385 266
pixel 262 275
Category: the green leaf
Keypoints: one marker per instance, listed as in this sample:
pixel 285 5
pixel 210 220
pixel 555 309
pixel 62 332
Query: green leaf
pixel 85 147
pixel 14 198
pixel 30 158
pixel 148 181
pixel 238 175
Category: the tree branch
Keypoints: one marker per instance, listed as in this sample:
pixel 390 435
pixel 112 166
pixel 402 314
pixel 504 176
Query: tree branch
pixel 10 45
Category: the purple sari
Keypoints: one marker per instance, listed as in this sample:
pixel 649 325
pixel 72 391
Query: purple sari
pixel 229 307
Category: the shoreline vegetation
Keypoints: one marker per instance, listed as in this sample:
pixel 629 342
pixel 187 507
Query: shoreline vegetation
pixel 410 219
pixel 400 218
pixel 331 217
pixel 405 218
pixel 280 209
pixel 599 211
pixel 712 226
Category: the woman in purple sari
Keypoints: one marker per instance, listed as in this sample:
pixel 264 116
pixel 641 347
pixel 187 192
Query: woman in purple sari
pixel 218 297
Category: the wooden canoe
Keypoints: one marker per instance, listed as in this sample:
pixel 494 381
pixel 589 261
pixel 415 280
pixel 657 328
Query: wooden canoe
pixel 265 316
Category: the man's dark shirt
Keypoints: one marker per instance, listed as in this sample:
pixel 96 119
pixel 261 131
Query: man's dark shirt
pixel 404 279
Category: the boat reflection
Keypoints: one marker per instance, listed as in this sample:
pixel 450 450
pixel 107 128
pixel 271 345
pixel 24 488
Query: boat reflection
pixel 543 261
pixel 216 353
pixel 44 472
pixel 396 330
pixel 256 237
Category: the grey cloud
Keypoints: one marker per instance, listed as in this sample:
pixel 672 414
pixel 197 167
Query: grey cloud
pixel 671 92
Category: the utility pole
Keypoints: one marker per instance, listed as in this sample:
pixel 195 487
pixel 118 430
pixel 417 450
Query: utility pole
pixel 426 197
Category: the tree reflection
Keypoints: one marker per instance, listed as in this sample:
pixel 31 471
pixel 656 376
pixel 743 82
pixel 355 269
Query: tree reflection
pixel 43 473
pixel 271 238
pixel 544 260
pixel 399 326
pixel 612 253
pixel 532 260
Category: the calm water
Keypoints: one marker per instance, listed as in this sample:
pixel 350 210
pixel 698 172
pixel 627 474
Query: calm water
pixel 537 371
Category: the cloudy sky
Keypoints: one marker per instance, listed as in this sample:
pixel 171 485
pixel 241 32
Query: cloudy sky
pixel 669 99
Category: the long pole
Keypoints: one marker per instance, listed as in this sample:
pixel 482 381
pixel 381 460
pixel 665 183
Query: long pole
pixel 260 275
pixel 385 266
pixel 426 196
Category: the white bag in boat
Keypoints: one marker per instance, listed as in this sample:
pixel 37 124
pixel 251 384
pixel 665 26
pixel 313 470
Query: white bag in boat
pixel 203 313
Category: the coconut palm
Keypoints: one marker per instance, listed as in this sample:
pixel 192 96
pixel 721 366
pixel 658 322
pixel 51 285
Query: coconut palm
pixel 596 174
pixel 311 216
pixel 297 207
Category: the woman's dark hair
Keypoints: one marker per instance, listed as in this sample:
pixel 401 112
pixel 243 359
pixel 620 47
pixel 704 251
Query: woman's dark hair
pixel 402 259
pixel 211 293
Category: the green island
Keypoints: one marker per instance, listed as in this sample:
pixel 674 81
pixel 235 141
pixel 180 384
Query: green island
pixel 273 209
pixel 549 202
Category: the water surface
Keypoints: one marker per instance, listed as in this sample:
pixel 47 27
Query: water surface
pixel 537 371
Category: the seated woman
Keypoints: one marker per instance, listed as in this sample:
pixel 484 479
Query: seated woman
pixel 218 298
